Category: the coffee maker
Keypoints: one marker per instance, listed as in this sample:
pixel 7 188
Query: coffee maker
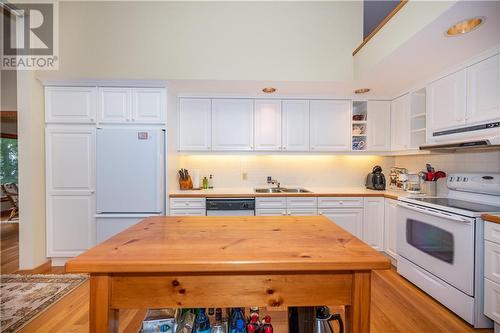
pixel 376 179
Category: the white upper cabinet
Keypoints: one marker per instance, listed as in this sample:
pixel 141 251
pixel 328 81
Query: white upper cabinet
pixel 115 105
pixel 446 102
pixel 149 105
pixel 379 125
pixel 232 124
pixel 330 124
pixel 267 125
pixel 483 91
pixel 295 125
pixel 70 104
pixel 70 158
pixel 400 123
pixel 132 105
pixel 194 124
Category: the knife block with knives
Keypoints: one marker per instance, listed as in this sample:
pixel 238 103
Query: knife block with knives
pixel 185 182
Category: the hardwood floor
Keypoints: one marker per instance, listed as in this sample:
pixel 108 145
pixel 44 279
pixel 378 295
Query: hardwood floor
pixel 9 247
pixel 397 307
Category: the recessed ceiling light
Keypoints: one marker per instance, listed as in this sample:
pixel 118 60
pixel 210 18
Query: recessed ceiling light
pixel 269 90
pixel 464 26
pixel 362 91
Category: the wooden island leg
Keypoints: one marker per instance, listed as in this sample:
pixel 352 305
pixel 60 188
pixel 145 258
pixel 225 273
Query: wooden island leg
pixel 358 313
pixel 102 317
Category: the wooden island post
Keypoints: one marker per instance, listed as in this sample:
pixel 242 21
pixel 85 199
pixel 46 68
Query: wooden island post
pixel 272 262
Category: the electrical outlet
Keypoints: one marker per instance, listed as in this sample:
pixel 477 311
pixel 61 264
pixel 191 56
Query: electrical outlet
pixel 244 176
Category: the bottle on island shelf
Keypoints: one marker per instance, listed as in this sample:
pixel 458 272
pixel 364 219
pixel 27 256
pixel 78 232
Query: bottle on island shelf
pixel 202 323
pixel 240 326
pixel 236 314
pixel 266 325
pixel 253 326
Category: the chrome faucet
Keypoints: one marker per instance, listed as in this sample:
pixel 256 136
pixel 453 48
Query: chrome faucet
pixel 273 181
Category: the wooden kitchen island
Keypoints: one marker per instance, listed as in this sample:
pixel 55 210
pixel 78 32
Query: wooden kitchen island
pixel 272 262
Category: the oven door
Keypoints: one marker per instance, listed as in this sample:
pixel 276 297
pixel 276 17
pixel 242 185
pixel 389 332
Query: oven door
pixel 439 242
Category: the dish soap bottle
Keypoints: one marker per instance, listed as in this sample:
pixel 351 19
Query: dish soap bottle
pixel 205 183
pixel 211 181
pixel 202 322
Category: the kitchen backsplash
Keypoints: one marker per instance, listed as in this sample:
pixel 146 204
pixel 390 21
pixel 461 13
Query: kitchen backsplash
pixel 289 170
pixel 463 162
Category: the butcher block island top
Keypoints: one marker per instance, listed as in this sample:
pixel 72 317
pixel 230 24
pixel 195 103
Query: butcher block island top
pixel 214 244
pixel 230 262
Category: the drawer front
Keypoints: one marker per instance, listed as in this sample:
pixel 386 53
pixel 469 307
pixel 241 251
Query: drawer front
pixel 187 212
pixel 492 261
pixel 492 232
pixel 270 212
pixel 331 202
pixel 492 300
pixel 187 203
pixel 302 203
pixel 302 212
pixel 266 203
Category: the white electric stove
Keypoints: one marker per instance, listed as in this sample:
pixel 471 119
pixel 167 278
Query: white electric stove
pixel 440 242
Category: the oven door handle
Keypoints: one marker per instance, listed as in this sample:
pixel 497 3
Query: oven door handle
pixel 432 212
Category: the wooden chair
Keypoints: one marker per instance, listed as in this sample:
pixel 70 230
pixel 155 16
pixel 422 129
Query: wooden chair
pixel 12 193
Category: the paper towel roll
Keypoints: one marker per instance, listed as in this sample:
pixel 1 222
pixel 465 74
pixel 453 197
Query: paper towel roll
pixel 195 177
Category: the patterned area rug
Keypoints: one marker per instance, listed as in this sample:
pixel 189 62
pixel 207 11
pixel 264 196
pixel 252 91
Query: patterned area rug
pixel 23 297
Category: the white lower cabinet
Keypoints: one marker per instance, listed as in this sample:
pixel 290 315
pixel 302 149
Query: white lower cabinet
pixel 70 224
pixel 291 206
pixel 390 227
pixel 270 212
pixel 346 212
pixel 350 219
pixel 492 271
pixel 302 212
pixel 188 207
pixel 373 222
pixel 492 300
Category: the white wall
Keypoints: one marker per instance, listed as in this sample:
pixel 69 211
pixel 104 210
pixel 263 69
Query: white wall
pixel 297 41
pixel 292 170
pixel 31 171
pixel 8 86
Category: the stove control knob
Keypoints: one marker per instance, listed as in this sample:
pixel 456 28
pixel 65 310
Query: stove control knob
pixel 451 179
pixel 465 179
pixel 459 179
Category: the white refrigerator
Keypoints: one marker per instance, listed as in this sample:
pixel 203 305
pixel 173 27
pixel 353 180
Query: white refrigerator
pixel 130 177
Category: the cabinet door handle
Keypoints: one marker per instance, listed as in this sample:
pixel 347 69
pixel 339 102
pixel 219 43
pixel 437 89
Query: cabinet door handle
pixel 127 119
pixel 133 119
pixel 92 119
pixel 320 213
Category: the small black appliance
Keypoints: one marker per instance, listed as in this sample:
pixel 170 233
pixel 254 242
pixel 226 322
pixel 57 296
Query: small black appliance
pixel 376 179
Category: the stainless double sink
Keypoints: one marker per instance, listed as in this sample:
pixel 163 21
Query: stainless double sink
pixel 281 190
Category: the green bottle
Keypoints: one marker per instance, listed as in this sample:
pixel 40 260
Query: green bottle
pixel 205 183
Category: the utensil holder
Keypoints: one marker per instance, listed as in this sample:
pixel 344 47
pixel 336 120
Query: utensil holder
pixel 430 188
pixel 186 184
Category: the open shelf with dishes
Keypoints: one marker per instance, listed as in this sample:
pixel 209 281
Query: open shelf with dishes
pixel 359 128
pixel 418 122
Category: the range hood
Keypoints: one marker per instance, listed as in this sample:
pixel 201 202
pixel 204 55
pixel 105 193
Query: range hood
pixel 491 143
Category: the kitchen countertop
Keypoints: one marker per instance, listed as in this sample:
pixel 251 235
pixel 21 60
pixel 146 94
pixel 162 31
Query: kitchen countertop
pixel 315 192
pixel 491 218
pixel 208 244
